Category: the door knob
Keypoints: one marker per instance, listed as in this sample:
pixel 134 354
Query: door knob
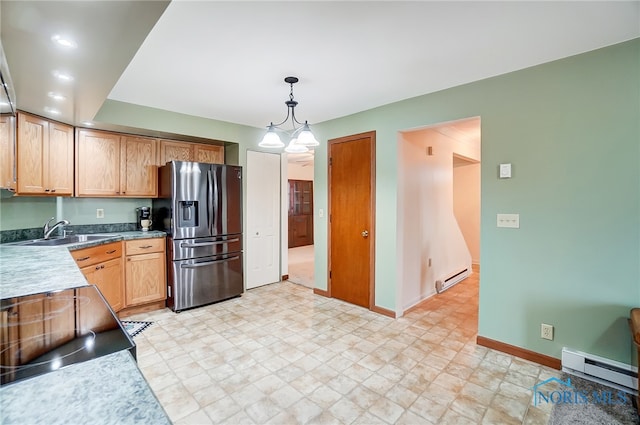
pixel 365 233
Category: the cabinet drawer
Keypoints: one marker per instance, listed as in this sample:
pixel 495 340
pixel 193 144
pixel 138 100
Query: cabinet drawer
pixel 144 246
pixel 97 254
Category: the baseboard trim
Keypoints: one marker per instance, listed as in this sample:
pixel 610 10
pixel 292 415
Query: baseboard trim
pixel 383 311
pixel 523 353
pixel 321 292
pixel 285 277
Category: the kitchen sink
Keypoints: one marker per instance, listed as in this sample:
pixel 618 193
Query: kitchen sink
pixel 67 240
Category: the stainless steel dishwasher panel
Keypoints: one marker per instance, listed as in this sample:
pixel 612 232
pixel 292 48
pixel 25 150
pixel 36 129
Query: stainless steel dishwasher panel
pixel 201 281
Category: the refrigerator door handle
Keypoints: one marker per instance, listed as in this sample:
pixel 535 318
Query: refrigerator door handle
pixel 216 197
pixel 210 201
pixel 207 263
pixel 197 245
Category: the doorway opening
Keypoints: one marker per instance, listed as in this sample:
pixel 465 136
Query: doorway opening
pixel 300 169
pixel 438 210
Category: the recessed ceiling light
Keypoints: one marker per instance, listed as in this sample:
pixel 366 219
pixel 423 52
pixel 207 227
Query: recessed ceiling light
pixel 64 41
pixel 62 76
pixel 52 111
pixel 56 96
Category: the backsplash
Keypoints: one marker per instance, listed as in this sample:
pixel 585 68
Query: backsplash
pixel 7 236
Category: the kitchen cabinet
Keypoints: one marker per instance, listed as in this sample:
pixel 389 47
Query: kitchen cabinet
pixel 211 154
pixel 102 266
pixel 44 157
pixel 139 174
pixel 7 152
pixel 173 150
pixel 115 165
pixel 300 213
pixel 145 271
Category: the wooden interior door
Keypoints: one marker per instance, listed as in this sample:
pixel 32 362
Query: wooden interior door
pixel 351 218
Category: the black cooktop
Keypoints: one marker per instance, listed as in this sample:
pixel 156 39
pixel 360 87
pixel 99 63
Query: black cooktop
pixel 44 332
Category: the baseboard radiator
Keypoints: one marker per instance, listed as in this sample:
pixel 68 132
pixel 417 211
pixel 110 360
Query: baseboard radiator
pixel 598 369
pixel 444 284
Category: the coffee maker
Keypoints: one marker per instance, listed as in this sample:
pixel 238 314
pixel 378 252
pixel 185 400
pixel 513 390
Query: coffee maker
pixel 144 218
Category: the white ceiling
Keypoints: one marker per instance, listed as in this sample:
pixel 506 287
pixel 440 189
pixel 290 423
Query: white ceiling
pixel 227 60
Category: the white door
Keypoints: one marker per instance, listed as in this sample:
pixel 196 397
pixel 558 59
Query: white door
pixel 263 219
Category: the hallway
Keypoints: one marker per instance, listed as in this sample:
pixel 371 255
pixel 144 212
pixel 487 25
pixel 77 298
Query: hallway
pixel 301 265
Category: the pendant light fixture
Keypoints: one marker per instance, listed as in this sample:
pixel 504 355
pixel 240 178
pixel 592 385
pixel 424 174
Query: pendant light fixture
pixel 301 136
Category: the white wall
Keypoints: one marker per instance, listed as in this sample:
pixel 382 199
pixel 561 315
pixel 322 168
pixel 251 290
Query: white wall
pixel 466 205
pixel 300 172
pixel 427 227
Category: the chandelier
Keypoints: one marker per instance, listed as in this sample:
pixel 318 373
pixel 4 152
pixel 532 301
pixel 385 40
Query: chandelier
pixel 301 136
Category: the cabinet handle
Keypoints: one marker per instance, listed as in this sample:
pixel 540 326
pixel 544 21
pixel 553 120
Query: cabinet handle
pixel 53 190
pixel 111 252
pixel 97 267
pixel 83 258
pixel 146 246
pixel 46 190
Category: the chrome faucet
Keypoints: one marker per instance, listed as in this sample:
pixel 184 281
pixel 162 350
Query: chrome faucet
pixel 49 230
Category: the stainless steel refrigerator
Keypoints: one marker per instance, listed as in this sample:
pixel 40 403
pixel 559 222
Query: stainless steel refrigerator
pixel 200 207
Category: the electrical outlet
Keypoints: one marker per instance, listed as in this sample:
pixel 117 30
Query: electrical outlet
pixel 100 213
pixel 546 331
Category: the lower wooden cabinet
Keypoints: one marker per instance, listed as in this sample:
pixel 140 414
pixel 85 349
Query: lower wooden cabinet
pixel 145 271
pixel 102 266
pixel 107 276
pixel 131 279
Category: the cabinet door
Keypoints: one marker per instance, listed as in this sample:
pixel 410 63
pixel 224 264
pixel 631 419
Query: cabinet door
pixel 60 159
pixel 145 278
pixel 7 152
pixel 175 151
pixel 107 276
pixel 97 163
pixel 139 173
pixel 33 134
pixel 210 154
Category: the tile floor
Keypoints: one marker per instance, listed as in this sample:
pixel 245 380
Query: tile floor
pixel 282 355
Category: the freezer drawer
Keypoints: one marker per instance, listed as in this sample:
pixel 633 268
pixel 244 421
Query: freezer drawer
pixel 183 249
pixel 202 281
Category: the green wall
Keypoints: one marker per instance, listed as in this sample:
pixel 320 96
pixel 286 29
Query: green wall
pixel 570 129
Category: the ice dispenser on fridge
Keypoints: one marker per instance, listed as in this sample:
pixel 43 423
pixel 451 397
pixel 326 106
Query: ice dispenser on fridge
pixel 188 214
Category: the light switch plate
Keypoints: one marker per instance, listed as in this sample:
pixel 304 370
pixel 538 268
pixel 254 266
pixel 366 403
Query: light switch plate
pixel 509 220
pixel 505 171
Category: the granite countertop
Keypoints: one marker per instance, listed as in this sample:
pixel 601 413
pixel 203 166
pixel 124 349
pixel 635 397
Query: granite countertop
pixel 108 389
pixel 28 270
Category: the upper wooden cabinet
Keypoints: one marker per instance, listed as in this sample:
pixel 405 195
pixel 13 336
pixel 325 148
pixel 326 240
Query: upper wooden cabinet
pixel 44 157
pixel 211 154
pixel 138 170
pixel 115 165
pixel 7 152
pixel 172 150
